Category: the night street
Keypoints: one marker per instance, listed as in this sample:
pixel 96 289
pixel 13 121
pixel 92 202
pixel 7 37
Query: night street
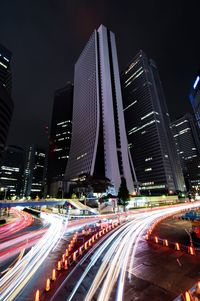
pixel 99 150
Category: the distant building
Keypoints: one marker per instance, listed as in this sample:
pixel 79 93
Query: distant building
pixel 6 103
pixel 186 138
pixel 188 147
pixel 59 139
pixel 11 171
pixel 33 183
pixel 148 127
pixel 99 144
pixel 195 98
pixel 193 174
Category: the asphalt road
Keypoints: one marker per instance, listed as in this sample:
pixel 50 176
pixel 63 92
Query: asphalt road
pixel 161 273
pixel 13 243
pixel 158 273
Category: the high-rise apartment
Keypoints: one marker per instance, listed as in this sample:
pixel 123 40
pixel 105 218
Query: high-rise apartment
pixel 99 142
pixel 148 128
pixel 6 103
pixel 59 139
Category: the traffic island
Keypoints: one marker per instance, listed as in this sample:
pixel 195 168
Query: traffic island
pixel 176 234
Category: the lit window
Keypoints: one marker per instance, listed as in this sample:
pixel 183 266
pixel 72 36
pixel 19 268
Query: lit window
pixel 148 169
pixel 134 78
pixel 148 159
pixel 131 66
pixel 133 75
pixel 2 64
pixel 153 112
pixel 129 106
pixel 138 129
pixel 81 156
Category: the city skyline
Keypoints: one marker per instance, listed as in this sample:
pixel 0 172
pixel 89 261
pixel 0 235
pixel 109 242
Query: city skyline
pixel 99 150
pixel 53 51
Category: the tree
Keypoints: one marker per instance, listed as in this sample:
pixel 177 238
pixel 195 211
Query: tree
pixel 90 183
pixel 59 193
pixel 123 194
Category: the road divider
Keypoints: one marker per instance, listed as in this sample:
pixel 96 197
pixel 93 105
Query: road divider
pixel 192 294
pixel 191 250
pixel 72 254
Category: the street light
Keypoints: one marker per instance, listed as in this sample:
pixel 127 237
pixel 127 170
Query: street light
pixel 5 189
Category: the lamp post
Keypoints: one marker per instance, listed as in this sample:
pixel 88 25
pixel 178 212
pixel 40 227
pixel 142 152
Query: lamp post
pixel 5 189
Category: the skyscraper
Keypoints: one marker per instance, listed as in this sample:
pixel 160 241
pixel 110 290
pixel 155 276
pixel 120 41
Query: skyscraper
pixel 195 98
pixel 147 122
pixel 11 171
pixel 186 138
pixel 59 139
pixel 188 147
pixel 99 143
pixel 6 103
pixel 34 172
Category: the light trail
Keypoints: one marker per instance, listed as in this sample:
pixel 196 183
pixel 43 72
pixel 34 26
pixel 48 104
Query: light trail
pixel 13 246
pixel 12 283
pixel 21 254
pixel 120 249
pixel 23 220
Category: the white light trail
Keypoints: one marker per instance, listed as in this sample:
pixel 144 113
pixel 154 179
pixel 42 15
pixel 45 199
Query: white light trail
pixel 14 281
pixel 120 249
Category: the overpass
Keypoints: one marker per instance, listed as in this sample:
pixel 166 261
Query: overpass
pixel 49 202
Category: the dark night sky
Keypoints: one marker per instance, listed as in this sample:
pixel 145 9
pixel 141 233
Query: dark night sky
pixel 47 36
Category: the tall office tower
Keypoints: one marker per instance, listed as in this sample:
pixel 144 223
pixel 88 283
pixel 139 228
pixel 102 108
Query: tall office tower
pixel 186 138
pixel 147 122
pixel 99 143
pixel 195 98
pixel 188 147
pixel 11 171
pixel 6 103
pixel 34 172
pixel 60 139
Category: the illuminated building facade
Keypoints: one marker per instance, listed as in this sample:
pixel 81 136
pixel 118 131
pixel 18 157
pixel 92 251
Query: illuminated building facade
pixel 59 139
pixel 193 174
pixel 99 143
pixel 195 98
pixel 11 171
pixel 34 172
pixel 188 147
pixel 186 138
pixel 5 71
pixel 148 127
pixel 6 103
